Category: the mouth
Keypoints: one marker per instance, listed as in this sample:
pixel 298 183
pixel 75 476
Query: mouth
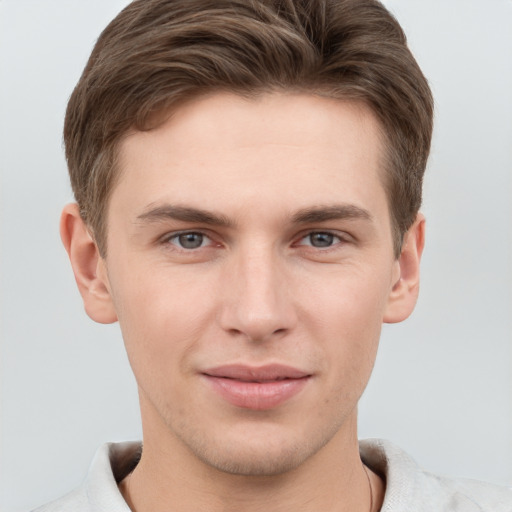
pixel 257 388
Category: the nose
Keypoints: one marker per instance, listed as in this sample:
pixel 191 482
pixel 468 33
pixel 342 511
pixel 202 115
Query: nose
pixel 257 303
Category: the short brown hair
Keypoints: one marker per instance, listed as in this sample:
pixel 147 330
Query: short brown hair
pixel 157 53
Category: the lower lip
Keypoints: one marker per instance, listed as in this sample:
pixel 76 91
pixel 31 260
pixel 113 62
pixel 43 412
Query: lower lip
pixel 258 396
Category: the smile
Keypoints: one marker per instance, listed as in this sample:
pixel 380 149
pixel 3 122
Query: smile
pixel 259 388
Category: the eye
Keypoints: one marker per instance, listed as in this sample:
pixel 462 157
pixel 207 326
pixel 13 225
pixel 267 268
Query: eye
pixel 320 239
pixel 189 240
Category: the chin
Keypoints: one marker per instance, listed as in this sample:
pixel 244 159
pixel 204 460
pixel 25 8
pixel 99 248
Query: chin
pixel 256 452
pixel 254 461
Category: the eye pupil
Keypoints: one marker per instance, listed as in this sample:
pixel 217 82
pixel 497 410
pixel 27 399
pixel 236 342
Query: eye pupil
pixel 321 239
pixel 191 240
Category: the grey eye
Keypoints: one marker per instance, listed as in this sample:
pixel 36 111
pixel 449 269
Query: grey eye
pixel 321 239
pixel 189 240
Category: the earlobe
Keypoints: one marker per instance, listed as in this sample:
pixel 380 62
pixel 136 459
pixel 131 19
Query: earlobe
pixel 404 292
pixel 88 266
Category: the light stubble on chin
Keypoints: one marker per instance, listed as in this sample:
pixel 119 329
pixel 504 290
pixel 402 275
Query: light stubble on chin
pixel 259 458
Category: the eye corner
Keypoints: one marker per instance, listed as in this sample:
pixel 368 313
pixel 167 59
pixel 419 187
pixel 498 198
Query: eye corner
pixel 189 240
pixel 322 239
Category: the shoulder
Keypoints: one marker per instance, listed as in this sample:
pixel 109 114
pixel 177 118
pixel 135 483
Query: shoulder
pixel 489 497
pixel 75 501
pixel 100 492
pixel 409 487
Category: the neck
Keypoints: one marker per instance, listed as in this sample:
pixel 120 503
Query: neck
pixel 332 480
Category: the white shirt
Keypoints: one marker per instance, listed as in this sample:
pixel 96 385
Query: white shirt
pixel 408 487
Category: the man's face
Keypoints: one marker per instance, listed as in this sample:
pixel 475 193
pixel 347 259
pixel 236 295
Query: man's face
pixel 250 263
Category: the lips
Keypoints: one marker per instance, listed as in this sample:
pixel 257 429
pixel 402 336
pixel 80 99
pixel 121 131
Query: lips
pixel 257 388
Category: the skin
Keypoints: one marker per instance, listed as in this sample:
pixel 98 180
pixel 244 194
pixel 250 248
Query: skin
pixel 294 265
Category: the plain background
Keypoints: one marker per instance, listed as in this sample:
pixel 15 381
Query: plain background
pixel 442 387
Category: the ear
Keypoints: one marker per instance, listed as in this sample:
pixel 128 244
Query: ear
pixel 88 266
pixel 404 293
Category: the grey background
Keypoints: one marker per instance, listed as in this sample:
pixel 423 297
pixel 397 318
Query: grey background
pixel 442 387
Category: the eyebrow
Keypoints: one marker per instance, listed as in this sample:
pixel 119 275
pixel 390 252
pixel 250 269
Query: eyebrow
pixel 331 212
pixel 303 216
pixel 184 214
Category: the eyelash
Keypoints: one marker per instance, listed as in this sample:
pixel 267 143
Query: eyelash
pixel 334 236
pixel 175 236
pixel 337 239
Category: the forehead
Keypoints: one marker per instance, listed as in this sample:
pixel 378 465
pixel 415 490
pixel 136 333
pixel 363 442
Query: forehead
pixel 280 150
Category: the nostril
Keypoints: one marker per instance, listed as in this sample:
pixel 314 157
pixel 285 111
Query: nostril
pixel 257 335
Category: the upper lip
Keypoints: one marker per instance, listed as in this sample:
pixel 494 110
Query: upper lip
pixel 270 372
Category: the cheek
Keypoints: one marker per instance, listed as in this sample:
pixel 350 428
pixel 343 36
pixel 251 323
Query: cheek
pixel 345 316
pixel 161 318
pixel 351 302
